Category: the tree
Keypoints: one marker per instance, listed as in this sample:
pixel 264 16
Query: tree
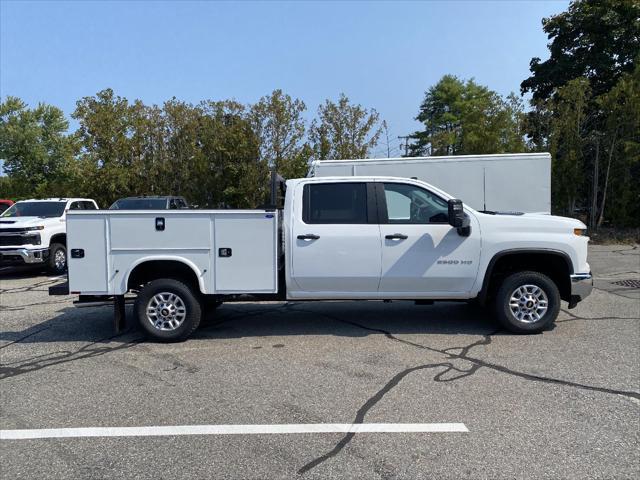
pixel 585 109
pixel 106 134
pixel 207 152
pixel 594 39
pixel 36 150
pixel 277 121
pixel 621 146
pixel 228 170
pixel 567 144
pixel 343 130
pixel 466 118
pixel 9 189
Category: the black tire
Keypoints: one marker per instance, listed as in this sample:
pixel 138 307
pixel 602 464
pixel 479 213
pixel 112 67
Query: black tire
pixel 189 299
pixel 210 302
pixel 56 266
pixel 528 324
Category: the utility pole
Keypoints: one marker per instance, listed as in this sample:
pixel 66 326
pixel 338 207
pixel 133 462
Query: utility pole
pixel 406 144
pixel 386 134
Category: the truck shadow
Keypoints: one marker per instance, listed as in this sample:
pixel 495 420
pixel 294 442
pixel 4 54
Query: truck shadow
pixel 342 318
pixel 95 324
pixel 15 273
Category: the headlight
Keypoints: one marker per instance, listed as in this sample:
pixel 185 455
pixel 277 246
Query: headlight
pixel 39 227
pixel 580 231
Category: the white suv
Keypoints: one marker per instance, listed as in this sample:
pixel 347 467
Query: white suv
pixel 35 232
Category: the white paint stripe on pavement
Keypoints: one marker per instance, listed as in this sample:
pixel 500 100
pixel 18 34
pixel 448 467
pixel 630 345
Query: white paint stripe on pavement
pixel 232 430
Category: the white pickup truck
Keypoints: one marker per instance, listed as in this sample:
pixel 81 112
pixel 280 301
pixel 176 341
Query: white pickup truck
pixel 350 238
pixel 33 232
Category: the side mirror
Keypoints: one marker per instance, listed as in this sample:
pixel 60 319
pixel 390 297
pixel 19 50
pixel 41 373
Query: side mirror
pixel 456 213
pixel 457 218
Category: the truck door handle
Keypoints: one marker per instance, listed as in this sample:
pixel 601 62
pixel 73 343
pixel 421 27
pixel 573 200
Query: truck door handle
pixel 308 236
pixel 396 236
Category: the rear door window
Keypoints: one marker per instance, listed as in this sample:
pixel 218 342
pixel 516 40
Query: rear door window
pixel 340 203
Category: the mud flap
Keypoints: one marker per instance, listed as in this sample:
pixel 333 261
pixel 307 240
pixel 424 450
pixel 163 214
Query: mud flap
pixel 119 314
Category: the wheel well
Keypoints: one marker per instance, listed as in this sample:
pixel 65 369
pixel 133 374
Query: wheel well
pixel 155 269
pixel 59 238
pixel 554 265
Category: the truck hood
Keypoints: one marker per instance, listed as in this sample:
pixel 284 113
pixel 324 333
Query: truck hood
pixel 555 220
pixel 23 222
pixel 539 222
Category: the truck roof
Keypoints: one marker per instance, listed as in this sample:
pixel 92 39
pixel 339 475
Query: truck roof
pixel 378 178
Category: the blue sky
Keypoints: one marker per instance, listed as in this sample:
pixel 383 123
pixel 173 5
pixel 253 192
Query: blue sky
pixel 381 54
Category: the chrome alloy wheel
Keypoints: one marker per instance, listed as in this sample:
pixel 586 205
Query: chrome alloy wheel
pixel 60 259
pixel 528 303
pixel 166 311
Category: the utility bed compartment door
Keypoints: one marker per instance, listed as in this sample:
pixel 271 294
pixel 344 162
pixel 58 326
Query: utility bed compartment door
pixel 246 248
pixel 87 253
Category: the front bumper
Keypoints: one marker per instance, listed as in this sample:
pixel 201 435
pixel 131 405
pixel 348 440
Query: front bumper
pixel 21 256
pixel 581 287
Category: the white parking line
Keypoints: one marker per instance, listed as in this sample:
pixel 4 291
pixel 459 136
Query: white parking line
pixel 232 430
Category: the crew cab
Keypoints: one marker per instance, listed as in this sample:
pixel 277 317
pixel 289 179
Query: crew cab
pixel 349 238
pixel 33 232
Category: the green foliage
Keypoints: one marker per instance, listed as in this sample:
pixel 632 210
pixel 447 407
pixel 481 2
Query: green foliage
pixel 216 153
pixel 344 131
pixel 595 39
pixel 567 137
pixel 208 152
pixel 466 118
pixel 620 195
pixel 36 151
pixel 585 110
pixel 9 189
pixel 229 171
pixel 278 121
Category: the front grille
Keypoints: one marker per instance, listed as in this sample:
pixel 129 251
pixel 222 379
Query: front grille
pixel 11 259
pixel 12 230
pixel 10 240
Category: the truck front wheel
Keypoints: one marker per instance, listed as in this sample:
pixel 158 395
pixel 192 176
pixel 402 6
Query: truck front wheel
pixel 57 258
pixel 168 310
pixel 527 302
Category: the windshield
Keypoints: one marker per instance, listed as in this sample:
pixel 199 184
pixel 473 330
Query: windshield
pixel 139 204
pixel 35 209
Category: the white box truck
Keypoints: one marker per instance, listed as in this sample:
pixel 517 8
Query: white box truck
pixel 518 182
pixel 347 238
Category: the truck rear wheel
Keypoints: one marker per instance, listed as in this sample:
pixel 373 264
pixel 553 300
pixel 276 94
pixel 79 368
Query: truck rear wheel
pixel 527 302
pixel 57 258
pixel 168 310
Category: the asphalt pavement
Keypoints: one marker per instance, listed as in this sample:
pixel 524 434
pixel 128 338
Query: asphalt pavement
pixel 561 404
